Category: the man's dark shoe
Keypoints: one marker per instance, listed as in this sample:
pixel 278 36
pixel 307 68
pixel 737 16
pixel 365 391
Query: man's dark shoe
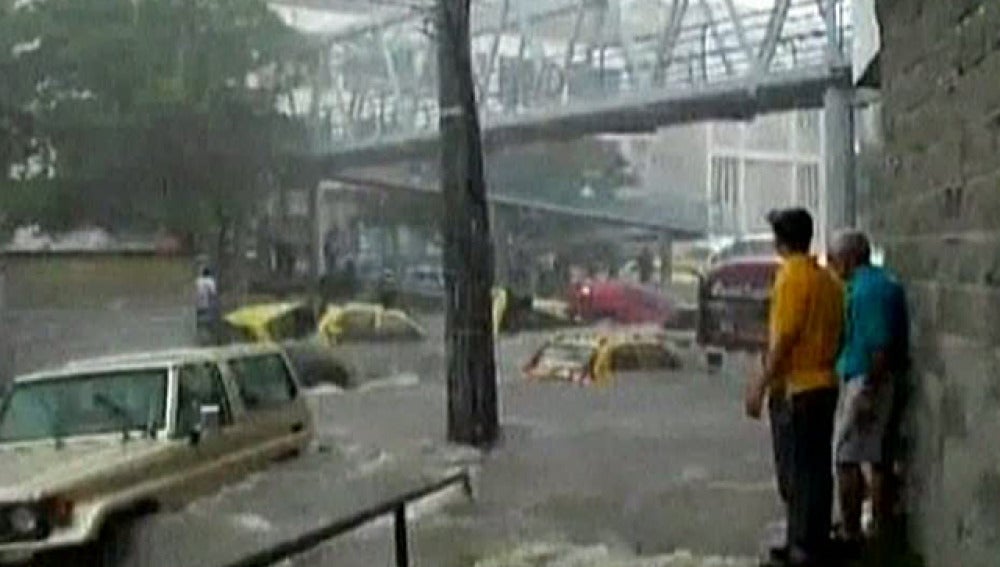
pixel 778 555
pixel 847 549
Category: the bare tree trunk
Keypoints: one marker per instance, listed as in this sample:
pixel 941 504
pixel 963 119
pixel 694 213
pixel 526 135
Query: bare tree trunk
pixel 468 256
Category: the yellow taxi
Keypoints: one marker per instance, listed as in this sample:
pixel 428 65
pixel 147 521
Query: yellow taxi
pixel 274 321
pixel 596 357
pixel 354 322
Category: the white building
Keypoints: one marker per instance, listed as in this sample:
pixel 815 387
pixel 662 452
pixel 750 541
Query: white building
pixel 740 170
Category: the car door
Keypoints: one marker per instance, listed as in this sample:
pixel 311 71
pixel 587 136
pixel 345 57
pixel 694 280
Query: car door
pixel 210 458
pixel 358 325
pixel 275 410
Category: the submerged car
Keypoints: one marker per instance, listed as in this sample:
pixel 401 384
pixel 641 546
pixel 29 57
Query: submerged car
pixel 353 322
pixel 759 245
pixel 292 325
pixel 623 302
pixel 270 322
pixel 86 448
pixel 513 312
pixel 597 357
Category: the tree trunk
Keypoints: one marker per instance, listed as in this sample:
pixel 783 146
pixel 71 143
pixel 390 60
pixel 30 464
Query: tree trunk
pixel 468 257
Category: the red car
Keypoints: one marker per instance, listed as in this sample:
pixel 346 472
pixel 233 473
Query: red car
pixel 622 302
pixel 733 300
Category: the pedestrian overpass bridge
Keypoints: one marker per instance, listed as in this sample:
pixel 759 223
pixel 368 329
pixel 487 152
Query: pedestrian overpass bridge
pixel 549 69
pixel 556 69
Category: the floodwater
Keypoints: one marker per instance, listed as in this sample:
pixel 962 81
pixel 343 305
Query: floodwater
pixel 659 469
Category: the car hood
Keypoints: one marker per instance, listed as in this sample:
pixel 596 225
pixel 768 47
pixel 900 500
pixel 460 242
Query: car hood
pixel 31 470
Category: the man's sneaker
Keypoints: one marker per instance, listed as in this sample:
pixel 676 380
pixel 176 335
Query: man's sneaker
pixel 778 555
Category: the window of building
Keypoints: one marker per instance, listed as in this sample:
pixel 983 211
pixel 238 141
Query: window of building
pixel 807 189
pixel 807 131
pixel 725 192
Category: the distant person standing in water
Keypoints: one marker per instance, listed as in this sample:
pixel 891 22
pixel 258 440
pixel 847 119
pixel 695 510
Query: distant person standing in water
pixel 388 290
pixel 645 265
pixel 207 307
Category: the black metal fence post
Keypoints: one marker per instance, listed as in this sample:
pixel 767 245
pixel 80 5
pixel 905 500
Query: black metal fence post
pixel 402 550
pixel 396 506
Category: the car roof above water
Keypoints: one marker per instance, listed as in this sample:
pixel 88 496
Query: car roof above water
pixel 147 359
pixel 622 335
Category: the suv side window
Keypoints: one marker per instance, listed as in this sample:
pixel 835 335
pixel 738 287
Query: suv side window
pixel 200 385
pixel 263 381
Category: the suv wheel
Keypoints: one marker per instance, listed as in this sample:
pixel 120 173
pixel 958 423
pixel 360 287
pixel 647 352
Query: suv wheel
pixel 119 544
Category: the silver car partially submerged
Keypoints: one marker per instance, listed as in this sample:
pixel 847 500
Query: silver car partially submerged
pixel 86 448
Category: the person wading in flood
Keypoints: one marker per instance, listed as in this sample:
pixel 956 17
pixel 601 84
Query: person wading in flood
pixel 207 310
pixel 805 324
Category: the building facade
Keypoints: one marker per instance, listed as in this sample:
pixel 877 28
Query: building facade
pixel 739 170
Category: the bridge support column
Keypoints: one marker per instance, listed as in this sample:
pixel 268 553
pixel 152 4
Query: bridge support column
pixel 838 205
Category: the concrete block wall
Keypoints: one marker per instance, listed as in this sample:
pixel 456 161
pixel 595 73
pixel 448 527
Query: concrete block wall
pixel 937 210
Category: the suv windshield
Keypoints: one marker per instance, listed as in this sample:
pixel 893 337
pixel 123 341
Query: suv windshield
pixel 85 405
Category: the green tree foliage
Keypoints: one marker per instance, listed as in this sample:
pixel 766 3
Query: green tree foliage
pixel 144 114
pixel 16 122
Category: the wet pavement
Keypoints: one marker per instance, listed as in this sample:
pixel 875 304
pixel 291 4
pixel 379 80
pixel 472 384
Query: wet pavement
pixel 653 470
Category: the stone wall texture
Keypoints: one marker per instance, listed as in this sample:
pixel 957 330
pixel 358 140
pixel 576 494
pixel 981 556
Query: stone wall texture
pixel 938 212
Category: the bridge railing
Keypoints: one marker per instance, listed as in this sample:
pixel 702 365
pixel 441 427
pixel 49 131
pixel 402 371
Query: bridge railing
pixel 380 82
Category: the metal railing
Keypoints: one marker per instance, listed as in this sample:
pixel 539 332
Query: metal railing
pixel 395 506
pixel 681 216
pixel 383 80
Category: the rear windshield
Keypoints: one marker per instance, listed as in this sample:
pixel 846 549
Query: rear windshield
pixel 742 280
pixel 565 355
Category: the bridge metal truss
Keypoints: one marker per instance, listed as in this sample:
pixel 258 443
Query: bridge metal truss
pixel 537 60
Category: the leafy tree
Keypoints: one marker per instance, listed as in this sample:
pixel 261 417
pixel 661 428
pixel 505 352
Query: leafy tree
pixel 16 122
pixel 145 114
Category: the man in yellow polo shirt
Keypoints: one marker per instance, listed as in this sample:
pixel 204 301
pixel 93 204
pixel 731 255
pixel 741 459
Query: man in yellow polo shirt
pixel 806 321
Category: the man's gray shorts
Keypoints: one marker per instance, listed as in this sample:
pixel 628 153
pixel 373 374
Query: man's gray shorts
pixel 861 438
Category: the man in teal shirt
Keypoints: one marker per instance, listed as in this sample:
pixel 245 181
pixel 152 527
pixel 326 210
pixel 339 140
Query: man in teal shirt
pixel 872 359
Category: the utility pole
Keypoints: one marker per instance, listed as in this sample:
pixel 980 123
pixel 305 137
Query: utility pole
pixel 468 254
